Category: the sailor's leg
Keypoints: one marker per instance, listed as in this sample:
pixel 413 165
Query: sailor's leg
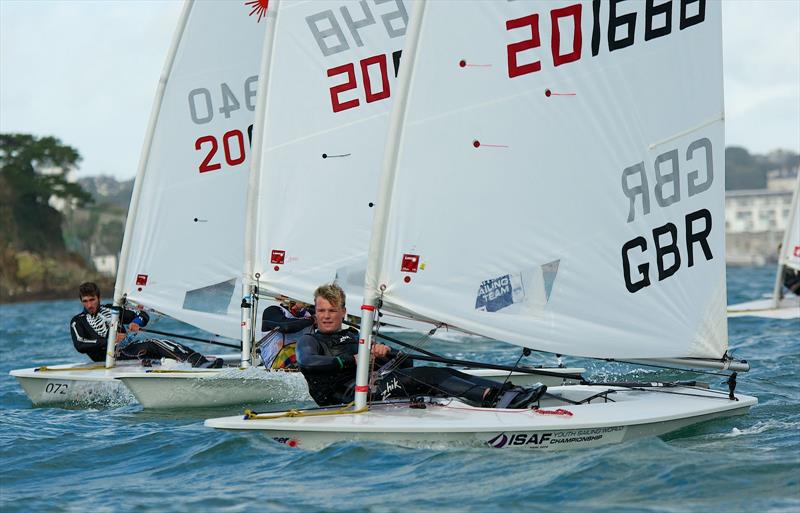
pixel 155 349
pixel 437 381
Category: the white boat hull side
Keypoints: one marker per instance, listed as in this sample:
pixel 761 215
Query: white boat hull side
pixel 635 414
pixel 788 308
pixel 255 386
pixel 223 387
pixel 74 385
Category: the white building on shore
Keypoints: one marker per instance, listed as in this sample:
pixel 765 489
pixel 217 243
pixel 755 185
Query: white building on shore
pixel 756 219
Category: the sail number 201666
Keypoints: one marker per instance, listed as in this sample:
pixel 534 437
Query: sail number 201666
pixel 624 21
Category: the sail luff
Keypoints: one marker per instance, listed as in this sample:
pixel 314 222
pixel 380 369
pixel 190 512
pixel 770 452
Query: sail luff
pixel 133 208
pixel 380 220
pixel 249 303
pixel 792 229
pixel 254 180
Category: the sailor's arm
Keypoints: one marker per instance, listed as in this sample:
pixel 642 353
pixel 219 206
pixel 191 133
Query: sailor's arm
pixel 84 339
pixel 135 319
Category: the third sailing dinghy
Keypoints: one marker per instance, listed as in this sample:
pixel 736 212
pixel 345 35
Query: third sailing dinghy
pixel 321 125
pixel 182 250
pixel 553 178
pixel 785 300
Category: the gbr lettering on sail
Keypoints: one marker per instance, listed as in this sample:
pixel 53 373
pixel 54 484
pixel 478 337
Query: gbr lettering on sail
pixel 679 172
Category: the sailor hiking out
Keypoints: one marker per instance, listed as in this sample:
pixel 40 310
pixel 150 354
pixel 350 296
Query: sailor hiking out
pixel 90 333
pixel 327 359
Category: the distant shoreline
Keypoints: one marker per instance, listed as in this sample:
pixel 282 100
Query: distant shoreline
pixel 43 295
pixel 69 291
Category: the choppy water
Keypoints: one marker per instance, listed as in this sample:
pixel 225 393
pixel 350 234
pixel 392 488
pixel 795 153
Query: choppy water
pixel 121 458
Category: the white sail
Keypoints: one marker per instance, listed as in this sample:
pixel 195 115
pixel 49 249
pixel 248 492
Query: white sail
pixel 790 249
pixel 579 150
pixel 328 87
pixel 443 251
pixel 183 248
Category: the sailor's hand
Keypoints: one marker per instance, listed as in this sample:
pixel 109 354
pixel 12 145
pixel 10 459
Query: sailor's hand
pixel 380 350
pixel 120 337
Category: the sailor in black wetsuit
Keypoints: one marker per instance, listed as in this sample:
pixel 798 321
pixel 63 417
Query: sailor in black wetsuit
pixel 791 280
pixel 327 359
pixel 89 330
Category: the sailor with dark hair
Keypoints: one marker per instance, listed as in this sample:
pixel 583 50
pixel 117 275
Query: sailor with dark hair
pixel 327 359
pixel 90 333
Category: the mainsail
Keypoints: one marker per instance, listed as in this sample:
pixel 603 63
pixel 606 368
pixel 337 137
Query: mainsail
pixel 328 83
pixel 560 196
pixel 597 229
pixel 789 254
pixel 183 248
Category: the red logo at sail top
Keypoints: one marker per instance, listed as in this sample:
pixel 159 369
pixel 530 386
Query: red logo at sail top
pixel 258 7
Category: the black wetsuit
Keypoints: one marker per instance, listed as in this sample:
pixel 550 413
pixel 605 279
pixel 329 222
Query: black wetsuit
pixel 328 364
pixel 90 336
pixel 791 280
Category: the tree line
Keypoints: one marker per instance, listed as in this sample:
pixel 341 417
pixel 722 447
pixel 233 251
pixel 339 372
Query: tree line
pixel 38 249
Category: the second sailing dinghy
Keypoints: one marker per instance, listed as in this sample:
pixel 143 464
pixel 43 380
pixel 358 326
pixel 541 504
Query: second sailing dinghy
pixel 553 178
pixel 785 300
pixel 321 125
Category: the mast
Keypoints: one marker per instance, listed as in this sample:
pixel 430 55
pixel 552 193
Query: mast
pixel 379 223
pixel 253 186
pixel 777 290
pixel 119 287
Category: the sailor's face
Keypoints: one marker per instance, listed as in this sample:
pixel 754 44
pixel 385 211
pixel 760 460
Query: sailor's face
pixel 91 304
pixel 329 317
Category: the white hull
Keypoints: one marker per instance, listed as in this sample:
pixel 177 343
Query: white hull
pixel 254 386
pixel 216 387
pixel 634 414
pixel 76 384
pixel 90 384
pixel 788 308
pixel 83 384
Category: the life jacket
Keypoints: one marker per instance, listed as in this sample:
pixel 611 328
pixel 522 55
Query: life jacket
pixel 277 347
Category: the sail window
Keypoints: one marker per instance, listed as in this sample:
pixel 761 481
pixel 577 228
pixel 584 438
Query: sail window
pixel 211 299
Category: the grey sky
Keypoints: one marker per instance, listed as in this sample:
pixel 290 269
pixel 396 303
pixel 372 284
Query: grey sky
pixel 86 71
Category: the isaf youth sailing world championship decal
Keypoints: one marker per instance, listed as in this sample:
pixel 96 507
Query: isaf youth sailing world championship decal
pixel 558 439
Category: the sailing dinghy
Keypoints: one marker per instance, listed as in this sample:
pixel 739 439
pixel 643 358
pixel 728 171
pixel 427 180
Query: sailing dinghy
pixel 783 304
pixel 319 137
pixel 182 252
pixel 553 178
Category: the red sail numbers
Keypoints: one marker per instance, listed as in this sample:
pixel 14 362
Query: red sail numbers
pixel 623 22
